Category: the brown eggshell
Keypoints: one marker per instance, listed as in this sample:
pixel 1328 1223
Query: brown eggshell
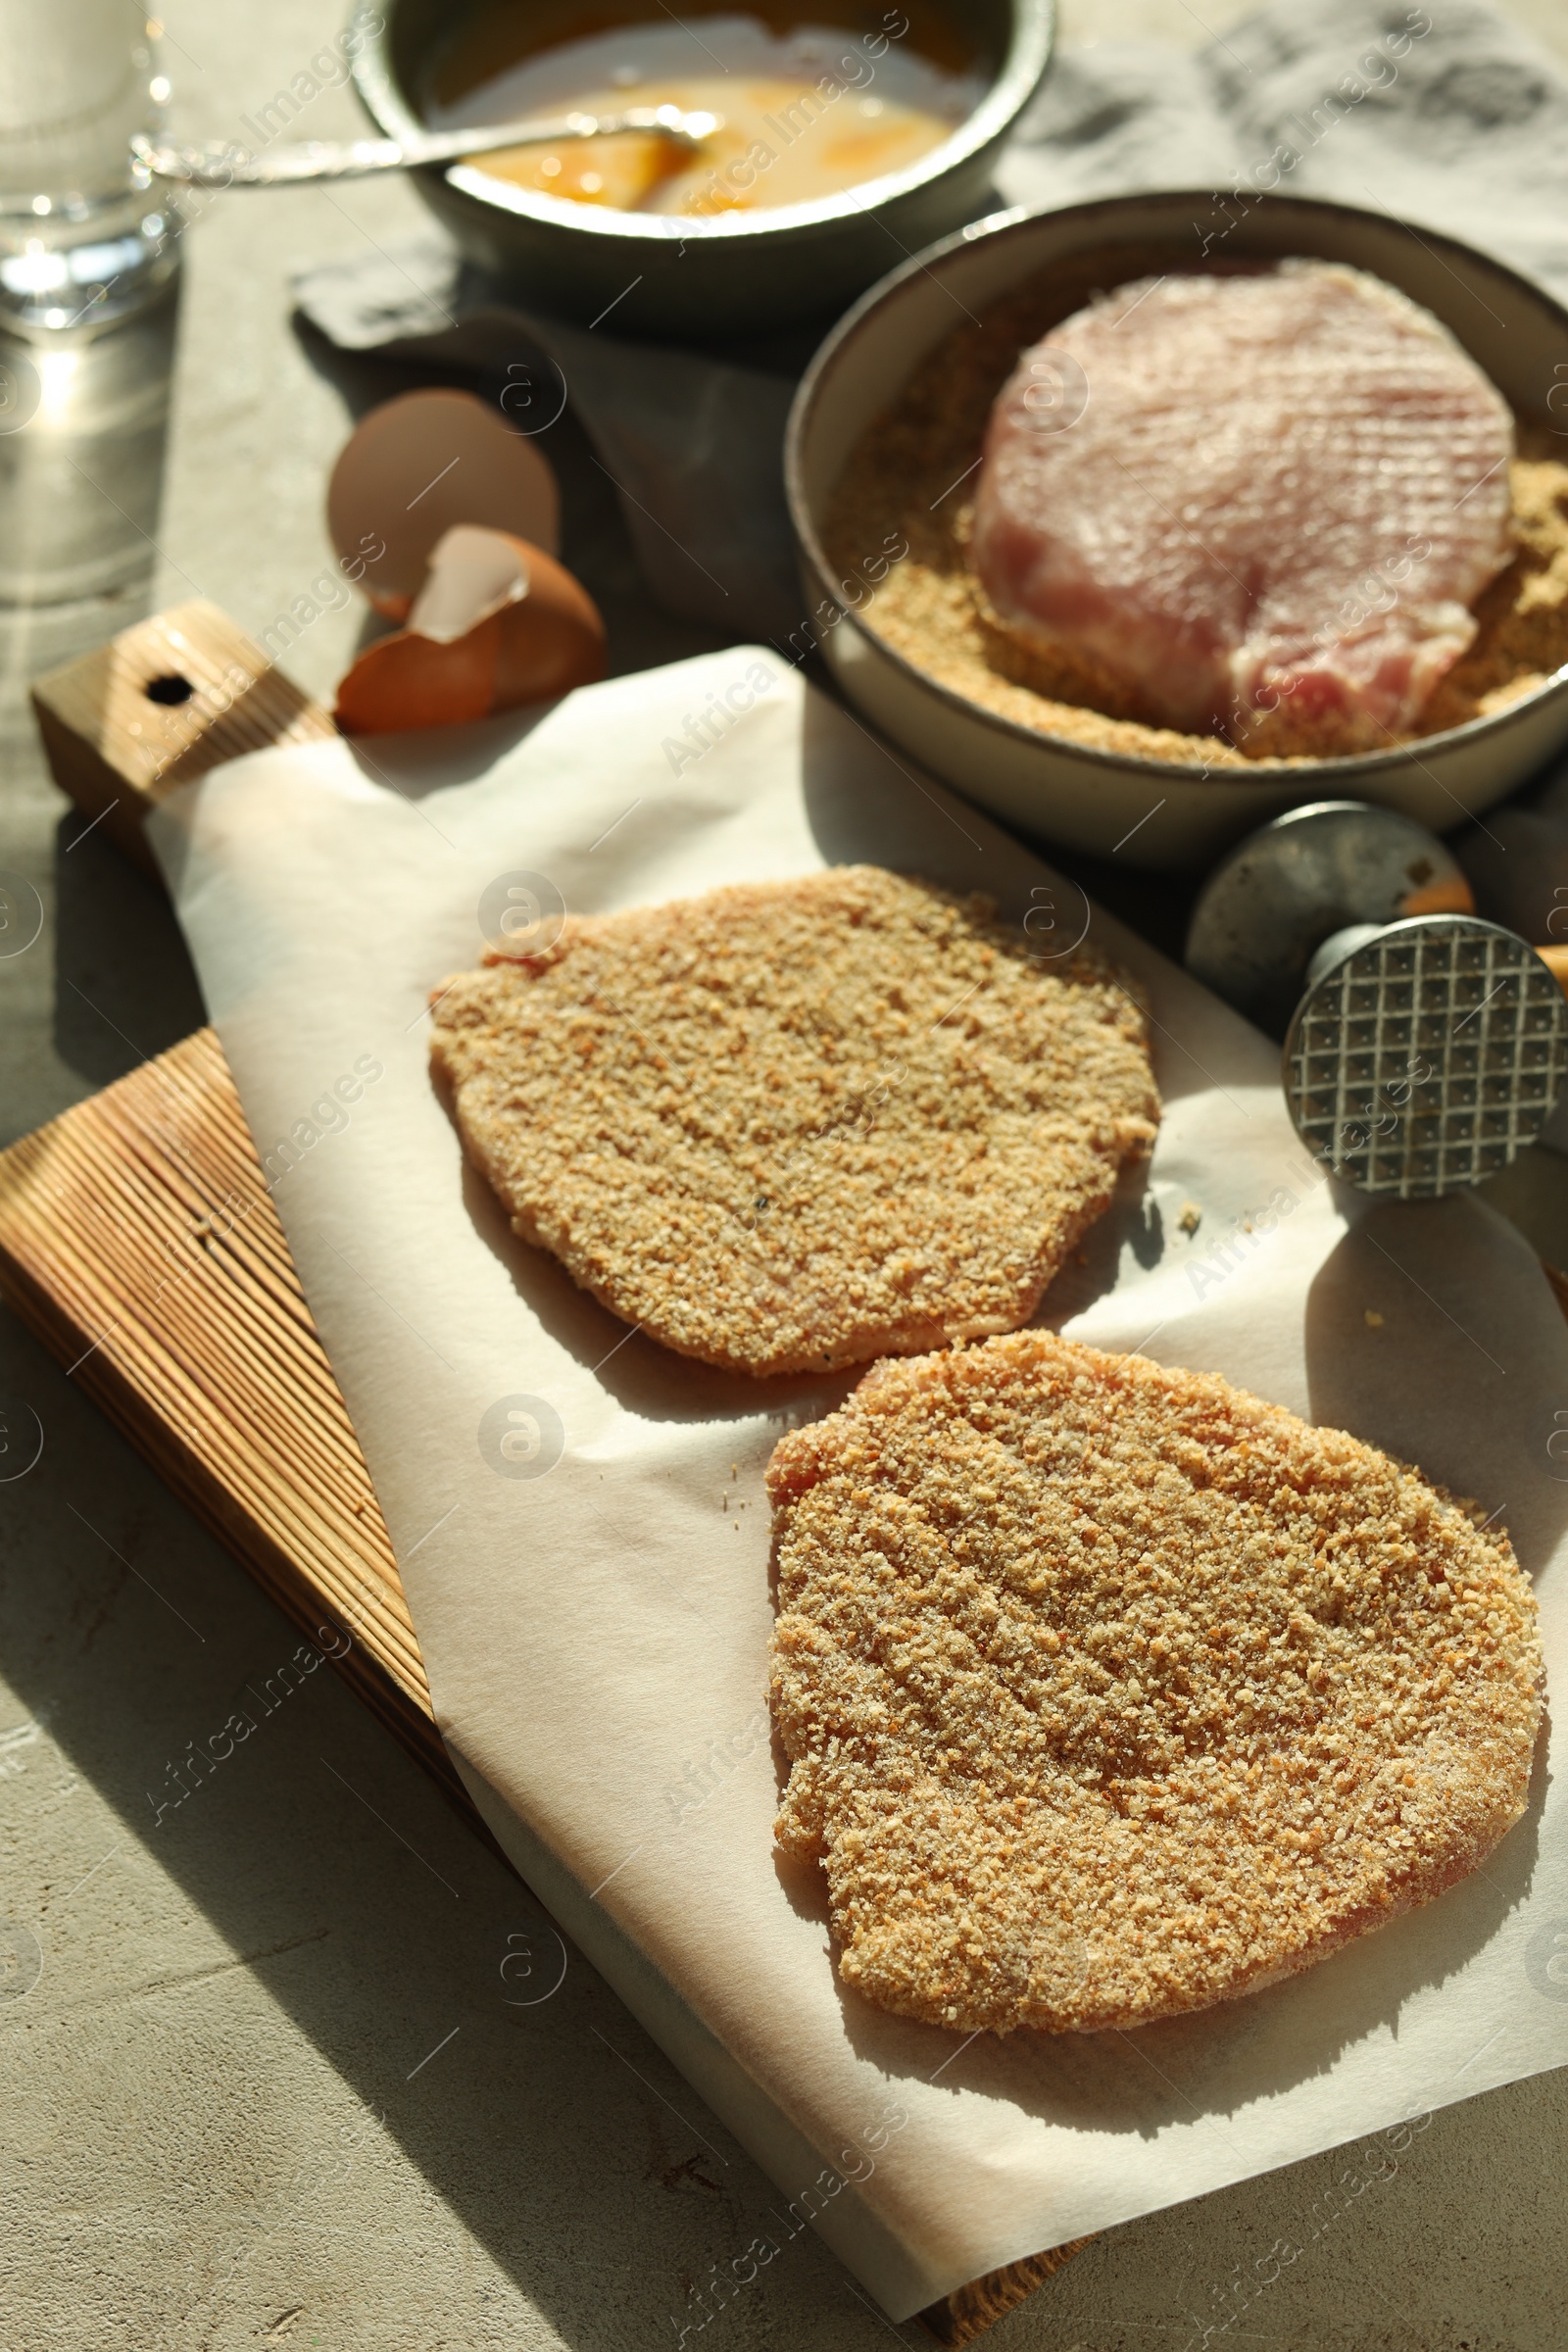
pixel 496 624
pixel 552 640
pixel 413 468
pixel 407 681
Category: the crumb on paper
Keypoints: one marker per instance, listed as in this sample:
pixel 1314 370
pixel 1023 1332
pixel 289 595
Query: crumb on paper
pixel 1191 1218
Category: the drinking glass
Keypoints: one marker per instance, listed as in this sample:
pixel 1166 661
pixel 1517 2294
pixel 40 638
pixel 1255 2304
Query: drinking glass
pixel 83 240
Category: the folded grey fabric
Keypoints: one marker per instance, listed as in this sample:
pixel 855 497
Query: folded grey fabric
pixel 1445 116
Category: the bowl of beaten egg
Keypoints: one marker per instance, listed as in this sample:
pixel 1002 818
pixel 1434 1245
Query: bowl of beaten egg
pixel 848 136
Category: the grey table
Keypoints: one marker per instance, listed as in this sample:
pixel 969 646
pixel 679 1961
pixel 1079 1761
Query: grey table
pixel 265 2080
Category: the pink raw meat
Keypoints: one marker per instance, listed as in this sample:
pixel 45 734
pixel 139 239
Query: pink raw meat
pixel 1262 502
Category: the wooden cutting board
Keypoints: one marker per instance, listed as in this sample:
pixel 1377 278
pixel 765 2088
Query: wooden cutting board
pixel 140 1242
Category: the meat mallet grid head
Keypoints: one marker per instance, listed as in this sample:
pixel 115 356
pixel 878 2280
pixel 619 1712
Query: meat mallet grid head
pixel 1424 1046
pixel 1427 1056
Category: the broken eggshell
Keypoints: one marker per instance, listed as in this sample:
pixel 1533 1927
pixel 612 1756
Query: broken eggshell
pixel 496 624
pixel 413 468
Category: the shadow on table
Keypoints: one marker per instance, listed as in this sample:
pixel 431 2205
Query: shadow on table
pixel 594 542
pixel 82 471
pixel 125 986
pixel 551 2128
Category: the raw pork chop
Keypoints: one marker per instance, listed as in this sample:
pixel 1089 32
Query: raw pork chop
pixel 1259 504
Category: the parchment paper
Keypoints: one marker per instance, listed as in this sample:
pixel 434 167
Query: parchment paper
pixel 596 1635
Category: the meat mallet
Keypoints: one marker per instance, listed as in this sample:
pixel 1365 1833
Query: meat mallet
pixel 1424 1046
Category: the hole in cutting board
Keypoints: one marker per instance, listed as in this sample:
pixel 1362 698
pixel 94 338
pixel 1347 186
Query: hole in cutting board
pixel 170 689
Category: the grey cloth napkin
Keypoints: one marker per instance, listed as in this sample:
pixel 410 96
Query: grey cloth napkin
pixel 1444 115
pixel 1461 126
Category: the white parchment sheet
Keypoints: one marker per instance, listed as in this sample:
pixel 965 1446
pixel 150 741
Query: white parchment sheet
pixel 596 1635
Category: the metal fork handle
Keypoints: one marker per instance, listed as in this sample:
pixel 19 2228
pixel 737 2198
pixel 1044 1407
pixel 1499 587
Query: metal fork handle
pixel 230 167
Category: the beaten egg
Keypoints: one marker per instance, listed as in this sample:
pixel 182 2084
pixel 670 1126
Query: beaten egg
pixel 804 110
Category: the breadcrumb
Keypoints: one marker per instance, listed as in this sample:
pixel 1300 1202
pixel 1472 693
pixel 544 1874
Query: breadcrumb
pixel 793 1125
pixel 1111 1691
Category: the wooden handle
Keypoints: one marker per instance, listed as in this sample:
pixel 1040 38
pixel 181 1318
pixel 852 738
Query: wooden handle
pixel 160 703
pixel 140 1242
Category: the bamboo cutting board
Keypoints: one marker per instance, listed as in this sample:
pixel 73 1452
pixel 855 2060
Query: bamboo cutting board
pixel 140 1242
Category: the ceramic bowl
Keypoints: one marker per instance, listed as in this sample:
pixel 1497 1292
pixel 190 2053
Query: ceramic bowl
pixel 743 274
pixel 1155 812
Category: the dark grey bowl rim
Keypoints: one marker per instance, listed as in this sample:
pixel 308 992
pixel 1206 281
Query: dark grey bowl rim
pixel 1029 53
pixel 1331 770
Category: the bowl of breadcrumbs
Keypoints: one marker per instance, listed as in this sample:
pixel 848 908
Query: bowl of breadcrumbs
pixel 884 458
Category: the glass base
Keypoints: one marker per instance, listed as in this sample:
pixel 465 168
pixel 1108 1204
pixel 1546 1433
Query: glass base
pixel 83 419
pixel 88 265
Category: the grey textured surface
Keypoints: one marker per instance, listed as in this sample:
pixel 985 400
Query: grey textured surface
pixel 270 2084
